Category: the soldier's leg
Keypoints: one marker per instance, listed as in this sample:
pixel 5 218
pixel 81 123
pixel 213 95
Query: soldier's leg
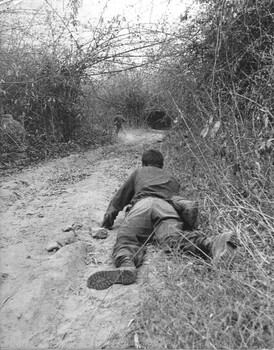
pixel 133 233
pixel 169 233
pixel 129 249
pixel 123 130
pixel 118 127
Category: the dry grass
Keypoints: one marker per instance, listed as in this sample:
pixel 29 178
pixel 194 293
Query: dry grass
pixel 197 307
pixel 193 305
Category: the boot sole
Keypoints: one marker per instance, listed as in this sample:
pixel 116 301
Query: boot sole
pixel 227 257
pixel 233 241
pixel 105 279
pixel 225 261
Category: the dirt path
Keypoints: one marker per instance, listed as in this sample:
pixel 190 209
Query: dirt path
pixel 44 299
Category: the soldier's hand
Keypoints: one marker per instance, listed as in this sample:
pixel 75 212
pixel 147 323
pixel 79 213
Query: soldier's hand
pixel 101 233
pixel 108 221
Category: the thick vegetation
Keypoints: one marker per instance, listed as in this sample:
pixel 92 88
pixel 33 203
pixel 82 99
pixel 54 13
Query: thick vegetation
pixel 222 149
pixel 212 72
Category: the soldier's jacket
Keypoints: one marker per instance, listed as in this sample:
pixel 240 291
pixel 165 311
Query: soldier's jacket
pixel 148 181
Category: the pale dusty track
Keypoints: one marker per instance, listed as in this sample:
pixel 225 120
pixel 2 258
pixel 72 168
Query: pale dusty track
pixel 44 299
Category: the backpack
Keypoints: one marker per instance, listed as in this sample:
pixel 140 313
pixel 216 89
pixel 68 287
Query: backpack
pixel 188 211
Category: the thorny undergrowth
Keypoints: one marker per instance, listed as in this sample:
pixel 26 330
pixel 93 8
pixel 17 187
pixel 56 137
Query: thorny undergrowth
pixel 192 305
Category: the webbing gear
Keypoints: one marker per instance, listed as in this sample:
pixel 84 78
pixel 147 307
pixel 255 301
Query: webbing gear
pixel 188 210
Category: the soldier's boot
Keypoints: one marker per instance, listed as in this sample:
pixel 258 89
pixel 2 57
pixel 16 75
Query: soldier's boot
pixel 125 274
pixel 223 250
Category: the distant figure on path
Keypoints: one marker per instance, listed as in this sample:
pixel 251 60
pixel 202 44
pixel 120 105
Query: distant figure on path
pixel 118 122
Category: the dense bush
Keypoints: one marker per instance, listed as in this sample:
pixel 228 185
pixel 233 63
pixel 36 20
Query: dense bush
pixel 124 93
pixel 220 81
pixel 61 80
pixel 44 94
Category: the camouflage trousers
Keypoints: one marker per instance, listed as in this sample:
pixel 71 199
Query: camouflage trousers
pixel 154 219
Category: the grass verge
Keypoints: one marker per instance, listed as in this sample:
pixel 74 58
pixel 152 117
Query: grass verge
pixel 195 306
pixel 189 304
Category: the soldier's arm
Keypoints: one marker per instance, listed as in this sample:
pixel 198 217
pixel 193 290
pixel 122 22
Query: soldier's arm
pixel 121 198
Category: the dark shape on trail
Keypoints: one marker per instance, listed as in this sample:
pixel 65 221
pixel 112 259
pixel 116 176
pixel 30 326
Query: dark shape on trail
pixel 158 120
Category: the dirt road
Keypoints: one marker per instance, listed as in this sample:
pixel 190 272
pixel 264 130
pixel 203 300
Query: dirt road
pixel 44 299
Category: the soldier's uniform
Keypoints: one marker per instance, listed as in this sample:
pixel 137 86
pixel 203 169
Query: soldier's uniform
pixel 118 122
pixel 149 190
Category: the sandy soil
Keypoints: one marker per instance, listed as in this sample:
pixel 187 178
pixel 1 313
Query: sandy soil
pixel 44 299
